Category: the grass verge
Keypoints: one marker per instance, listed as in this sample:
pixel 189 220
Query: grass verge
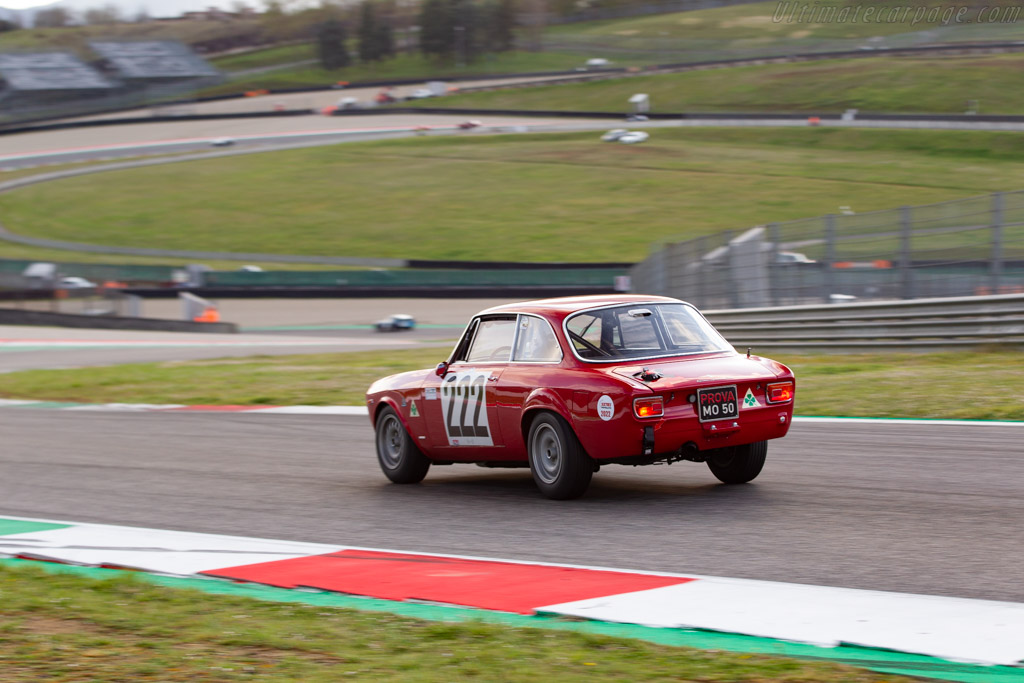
pixel 70 628
pixel 516 197
pixel 14 251
pixel 894 85
pixel 929 385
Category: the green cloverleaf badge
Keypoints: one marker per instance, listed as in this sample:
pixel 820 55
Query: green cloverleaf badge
pixel 750 401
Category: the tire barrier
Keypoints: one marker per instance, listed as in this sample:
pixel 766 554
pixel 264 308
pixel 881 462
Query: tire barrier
pixel 10 316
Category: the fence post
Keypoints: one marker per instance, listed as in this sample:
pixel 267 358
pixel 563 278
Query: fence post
pixel 661 271
pixel 996 264
pixel 729 280
pixel 906 274
pixel 773 263
pixel 677 270
pixel 830 256
pixel 689 269
pixel 702 271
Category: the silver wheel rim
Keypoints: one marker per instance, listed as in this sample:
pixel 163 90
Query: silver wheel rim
pixel 390 438
pixel 546 453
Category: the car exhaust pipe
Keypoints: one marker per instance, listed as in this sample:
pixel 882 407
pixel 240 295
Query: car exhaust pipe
pixel 690 451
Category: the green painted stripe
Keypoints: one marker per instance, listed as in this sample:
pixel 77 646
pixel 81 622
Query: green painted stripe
pixel 876 660
pixel 49 404
pixel 908 419
pixel 17 526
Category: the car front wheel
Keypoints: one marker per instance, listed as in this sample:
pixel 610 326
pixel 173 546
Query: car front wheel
pixel 738 464
pixel 399 458
pixel 560 467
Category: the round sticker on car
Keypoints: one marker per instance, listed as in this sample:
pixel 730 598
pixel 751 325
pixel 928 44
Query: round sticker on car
pixel 605 408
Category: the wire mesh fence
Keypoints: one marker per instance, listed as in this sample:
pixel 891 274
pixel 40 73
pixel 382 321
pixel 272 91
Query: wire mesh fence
pixel 965 247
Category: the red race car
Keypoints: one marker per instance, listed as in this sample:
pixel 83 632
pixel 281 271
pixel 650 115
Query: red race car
pixel 564 386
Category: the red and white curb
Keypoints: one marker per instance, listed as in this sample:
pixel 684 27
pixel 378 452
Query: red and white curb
pixel 361 410
pixel 980 631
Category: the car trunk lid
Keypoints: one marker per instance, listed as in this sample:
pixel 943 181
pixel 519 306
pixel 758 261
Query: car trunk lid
pixel 698 371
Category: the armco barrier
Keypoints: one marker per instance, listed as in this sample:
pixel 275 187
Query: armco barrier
pixel 98 272
pixel 923 324
pixel 405 278
pixel 355 292
pixel 10 316
pixel 98 123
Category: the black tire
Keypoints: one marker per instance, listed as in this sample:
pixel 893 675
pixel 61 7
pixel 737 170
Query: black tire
pixel 738 464
pixel 560 467
pixel 400 459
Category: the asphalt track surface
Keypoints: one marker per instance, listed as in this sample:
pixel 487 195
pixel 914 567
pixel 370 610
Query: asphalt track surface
pixel 34 348
pixel 29 150
pixel 909 507
pixel 270 326
pixel 35 149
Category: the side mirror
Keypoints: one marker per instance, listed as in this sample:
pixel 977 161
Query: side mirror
pixel 442 369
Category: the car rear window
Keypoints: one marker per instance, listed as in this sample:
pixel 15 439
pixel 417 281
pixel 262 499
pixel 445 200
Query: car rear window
pixel 637 331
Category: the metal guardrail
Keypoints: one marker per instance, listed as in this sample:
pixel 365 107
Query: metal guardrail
pixel 926 324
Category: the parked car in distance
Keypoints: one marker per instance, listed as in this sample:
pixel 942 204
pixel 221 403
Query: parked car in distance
pixel 614 134
pixel 396 322
pixel 74 283
pixel 788 257
pixel 566 386
pixel 633 137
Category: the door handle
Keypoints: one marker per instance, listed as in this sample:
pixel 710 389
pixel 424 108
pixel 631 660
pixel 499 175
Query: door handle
pixel 492 378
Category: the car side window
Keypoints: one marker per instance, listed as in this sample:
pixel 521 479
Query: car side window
pixel 536 342
pixel 492 341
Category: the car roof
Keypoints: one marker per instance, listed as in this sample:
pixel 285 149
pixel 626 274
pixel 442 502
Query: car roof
pixel 564 306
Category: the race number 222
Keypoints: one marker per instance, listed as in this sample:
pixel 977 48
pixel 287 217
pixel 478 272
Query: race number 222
pixel 464 409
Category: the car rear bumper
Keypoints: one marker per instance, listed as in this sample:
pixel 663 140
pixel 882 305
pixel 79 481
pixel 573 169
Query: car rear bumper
pixel 686 438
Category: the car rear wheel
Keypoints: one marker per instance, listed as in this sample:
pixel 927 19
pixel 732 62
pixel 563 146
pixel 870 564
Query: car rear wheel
pixel 738 464
pixel 560 467
pixel 399 458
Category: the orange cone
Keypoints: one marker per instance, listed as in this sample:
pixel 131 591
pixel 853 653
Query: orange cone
pixel 209 315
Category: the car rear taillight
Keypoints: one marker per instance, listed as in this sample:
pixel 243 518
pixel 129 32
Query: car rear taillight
pixel 781 392
pixel 649 407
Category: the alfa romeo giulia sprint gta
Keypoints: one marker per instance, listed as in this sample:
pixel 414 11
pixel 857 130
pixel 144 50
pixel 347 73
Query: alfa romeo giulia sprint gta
pixel 565 386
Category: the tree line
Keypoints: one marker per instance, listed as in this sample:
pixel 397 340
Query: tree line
pixel 446 30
